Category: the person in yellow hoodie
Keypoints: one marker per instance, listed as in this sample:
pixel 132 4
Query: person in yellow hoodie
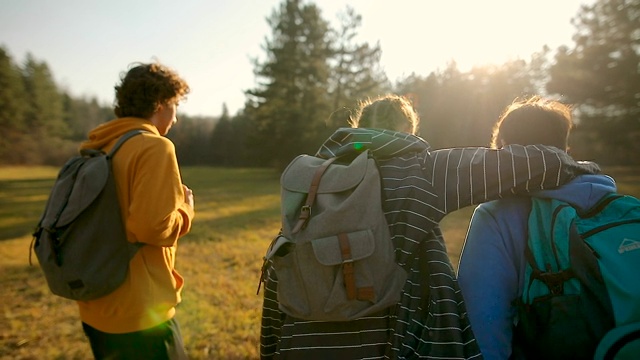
pixel 136 321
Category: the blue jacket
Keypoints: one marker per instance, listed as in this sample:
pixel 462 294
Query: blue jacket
pixel 491 269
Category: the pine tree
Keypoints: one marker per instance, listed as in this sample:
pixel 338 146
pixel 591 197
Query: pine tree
pixel 290 105
pixel 601 72
pixel 83 114
pixel 45 115
pixel 13 106
pixel 12 94
pixel 356 72
pixel 222 140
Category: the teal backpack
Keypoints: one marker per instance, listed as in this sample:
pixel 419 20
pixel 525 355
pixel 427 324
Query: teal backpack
pixel 581 297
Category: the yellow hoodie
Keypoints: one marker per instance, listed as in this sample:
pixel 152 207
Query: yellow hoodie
pixel 155 213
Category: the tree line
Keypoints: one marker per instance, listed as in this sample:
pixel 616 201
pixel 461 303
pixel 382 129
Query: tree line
pixel 312 76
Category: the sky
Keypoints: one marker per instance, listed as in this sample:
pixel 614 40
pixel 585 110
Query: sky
pixel 211 43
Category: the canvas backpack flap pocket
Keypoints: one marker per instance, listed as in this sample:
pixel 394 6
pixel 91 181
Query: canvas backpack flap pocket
pixel 79 183
pixel 377 279
pixel 304 284
pixel 316 269
pixel 337 179
pixel 336 257
pixel 298 175
pixel 327 250
pixel 60 191
pixel 91 180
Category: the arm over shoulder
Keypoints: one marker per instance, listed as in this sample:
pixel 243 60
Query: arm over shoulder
pixel 465 176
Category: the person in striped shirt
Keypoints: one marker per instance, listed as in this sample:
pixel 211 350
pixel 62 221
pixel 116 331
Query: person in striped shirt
pixel 420 187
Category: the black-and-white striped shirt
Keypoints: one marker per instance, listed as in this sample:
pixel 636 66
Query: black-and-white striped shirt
pixel 420 188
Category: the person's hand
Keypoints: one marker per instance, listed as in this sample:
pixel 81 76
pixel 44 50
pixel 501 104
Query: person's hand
pixel 188 195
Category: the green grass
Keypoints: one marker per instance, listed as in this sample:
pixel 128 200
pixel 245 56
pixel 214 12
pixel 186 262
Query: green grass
pixel 237 214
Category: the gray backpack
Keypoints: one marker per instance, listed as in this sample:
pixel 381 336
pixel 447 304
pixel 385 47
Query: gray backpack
pixel 334 259
pixel 80 241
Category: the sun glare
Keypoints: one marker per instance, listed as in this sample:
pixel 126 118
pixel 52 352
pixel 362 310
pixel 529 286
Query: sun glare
pixel 420 37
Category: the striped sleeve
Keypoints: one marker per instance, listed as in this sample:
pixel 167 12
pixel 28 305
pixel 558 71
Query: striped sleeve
pixel 466 176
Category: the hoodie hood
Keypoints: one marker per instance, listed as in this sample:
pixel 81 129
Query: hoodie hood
pixel 106 134
pixel 582 192
pixel 382 143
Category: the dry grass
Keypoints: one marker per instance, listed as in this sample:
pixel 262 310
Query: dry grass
pixel 237 214
pixel 627 179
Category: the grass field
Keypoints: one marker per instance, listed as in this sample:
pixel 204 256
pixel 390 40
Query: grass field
pixel 237 214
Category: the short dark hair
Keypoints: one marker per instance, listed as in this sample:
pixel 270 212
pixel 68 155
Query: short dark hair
pixel 534 120
pixel 145 87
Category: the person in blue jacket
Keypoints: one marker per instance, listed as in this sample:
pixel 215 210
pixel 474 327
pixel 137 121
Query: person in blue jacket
pixel 492 263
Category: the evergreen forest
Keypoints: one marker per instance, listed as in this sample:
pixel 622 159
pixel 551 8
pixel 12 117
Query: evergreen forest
pixel 313 75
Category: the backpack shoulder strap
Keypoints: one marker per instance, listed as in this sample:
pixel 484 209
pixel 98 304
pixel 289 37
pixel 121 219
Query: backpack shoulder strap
pixel 305 211
pixel 122 139
pixel 547 245
pixel 555 245
pixel 133 247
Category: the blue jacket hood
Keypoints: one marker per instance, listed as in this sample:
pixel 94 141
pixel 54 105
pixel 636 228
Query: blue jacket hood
pixel 582 192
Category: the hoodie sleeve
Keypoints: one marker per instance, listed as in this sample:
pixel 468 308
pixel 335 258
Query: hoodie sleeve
pixel 158 214
pixel 488 275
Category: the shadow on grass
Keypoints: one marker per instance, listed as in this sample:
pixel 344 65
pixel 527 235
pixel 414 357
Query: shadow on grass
pixel 21 205
pixel 214 229
pixel 20 279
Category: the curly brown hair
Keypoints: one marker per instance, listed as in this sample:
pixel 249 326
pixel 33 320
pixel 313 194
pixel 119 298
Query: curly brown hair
pixel 145 87
pixel 391 112
pixel 534 120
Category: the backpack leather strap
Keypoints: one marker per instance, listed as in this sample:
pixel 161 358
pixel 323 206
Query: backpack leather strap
pixel 347 266
pixel 305 210
pixel 353 292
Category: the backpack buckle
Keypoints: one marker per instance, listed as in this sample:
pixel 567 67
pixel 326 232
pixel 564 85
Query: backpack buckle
pixel 303 219
pixel 555 281
pixel 306 209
